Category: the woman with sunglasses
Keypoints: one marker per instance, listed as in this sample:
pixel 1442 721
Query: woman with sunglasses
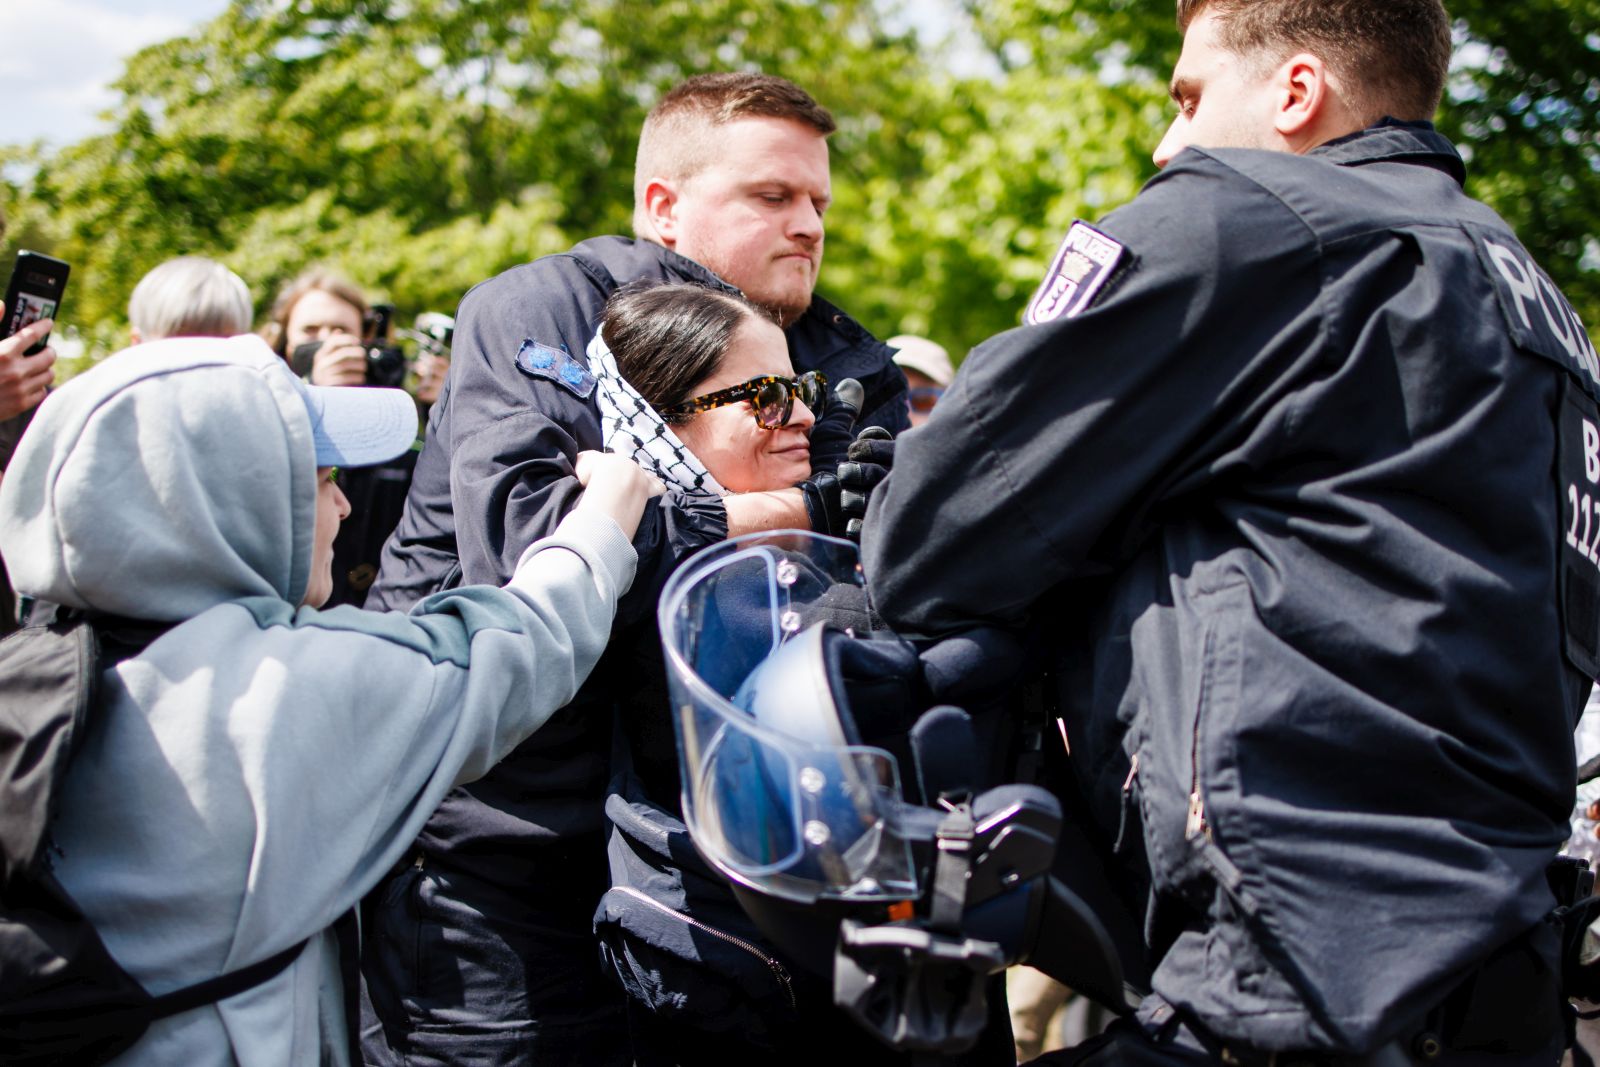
pixel 726 413
pixel 697 387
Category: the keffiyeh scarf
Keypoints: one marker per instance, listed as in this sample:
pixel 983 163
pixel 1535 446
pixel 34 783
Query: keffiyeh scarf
pixel 633 428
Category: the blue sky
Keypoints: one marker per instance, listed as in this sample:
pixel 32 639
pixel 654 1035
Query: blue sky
pixel 58 57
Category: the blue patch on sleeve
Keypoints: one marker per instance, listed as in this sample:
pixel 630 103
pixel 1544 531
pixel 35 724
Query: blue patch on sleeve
pixel 555 365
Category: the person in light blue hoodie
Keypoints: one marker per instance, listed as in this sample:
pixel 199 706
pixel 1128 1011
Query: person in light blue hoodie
pixel 255 770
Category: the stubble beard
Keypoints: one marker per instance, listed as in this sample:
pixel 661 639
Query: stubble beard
pixel 785 306
pixel 787 313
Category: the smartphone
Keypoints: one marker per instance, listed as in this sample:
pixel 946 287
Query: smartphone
pixel 37 282
pixel 379 321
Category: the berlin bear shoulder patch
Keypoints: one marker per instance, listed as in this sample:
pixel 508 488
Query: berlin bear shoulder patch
pixel 556 365
pixel 1084 263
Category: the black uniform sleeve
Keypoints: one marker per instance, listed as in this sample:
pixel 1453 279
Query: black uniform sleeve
pixel 1049 459
pixel 514 437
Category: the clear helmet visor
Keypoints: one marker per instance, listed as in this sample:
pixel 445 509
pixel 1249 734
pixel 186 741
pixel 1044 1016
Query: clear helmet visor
pixel 776 792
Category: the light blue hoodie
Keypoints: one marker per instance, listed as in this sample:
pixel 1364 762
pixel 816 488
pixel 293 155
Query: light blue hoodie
pixel 252 773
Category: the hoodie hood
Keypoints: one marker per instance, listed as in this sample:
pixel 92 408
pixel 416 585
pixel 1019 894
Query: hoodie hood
pixel 172 477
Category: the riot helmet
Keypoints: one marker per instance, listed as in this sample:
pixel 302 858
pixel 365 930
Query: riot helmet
pixel 793 722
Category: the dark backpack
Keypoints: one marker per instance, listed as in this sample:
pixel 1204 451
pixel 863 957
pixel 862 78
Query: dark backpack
pixel 63 999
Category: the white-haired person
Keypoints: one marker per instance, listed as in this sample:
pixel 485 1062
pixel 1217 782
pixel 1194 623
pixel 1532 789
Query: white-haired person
pixel 190 296
pixel 257 767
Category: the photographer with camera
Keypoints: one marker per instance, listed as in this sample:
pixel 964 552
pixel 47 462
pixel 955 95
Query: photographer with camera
pixel 317 325
pixel 324 328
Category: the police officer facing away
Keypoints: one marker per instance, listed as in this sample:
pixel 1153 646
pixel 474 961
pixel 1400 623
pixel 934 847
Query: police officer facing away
pixel 482 951
pixel 1295 461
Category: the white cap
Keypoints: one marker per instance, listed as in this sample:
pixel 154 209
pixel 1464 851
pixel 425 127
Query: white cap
pixel 358 425
pixel 923 356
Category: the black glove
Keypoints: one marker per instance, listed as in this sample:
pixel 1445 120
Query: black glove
pixel 868 460
pixel 830 440
pixel 821 493
pixel 834 428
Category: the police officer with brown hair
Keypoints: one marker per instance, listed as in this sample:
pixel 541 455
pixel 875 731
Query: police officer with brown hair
pixel 1295 461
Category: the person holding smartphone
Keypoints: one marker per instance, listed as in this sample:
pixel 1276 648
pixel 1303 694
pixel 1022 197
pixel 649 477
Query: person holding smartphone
pixel 25 377
pixel 24 381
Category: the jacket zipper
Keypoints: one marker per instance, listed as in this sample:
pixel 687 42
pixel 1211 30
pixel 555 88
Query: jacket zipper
pixel 1196 830
pixel 1195 826
pixel 1127 802
pixel 773 965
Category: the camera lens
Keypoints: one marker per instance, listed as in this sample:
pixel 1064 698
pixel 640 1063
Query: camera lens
pixel 386 366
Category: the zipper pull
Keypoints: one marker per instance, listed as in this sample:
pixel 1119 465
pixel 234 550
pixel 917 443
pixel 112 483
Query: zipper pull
pixel 1196 825
pixel 1133 772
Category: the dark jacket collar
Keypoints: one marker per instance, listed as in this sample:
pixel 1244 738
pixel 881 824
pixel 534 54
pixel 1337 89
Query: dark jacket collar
pixel 1393 141
pixel 629 258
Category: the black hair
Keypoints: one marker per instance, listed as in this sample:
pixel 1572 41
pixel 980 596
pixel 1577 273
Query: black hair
pixel 669 338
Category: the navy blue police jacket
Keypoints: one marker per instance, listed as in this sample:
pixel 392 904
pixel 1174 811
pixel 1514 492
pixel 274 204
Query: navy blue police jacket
pixel 495 474
pixel 1295 462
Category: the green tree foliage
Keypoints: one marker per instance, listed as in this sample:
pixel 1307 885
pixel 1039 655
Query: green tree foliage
pixel 423 145
pixel 417 145
pixel 1000 163
pixel 953 249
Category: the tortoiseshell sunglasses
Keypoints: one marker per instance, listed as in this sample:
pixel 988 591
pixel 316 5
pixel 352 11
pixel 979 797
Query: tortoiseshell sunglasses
pixel 771 398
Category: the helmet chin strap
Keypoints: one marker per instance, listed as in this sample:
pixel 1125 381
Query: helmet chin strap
pixel 951 866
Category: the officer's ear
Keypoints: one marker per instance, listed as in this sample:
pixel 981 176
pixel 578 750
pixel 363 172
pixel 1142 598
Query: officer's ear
pixel 1305 102
pixel 1301 87
pixel 1309 103
pixel 661 210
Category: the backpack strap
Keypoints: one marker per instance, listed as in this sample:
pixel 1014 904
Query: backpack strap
pixel 50 671
pixel 123 638
pixel 223 986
